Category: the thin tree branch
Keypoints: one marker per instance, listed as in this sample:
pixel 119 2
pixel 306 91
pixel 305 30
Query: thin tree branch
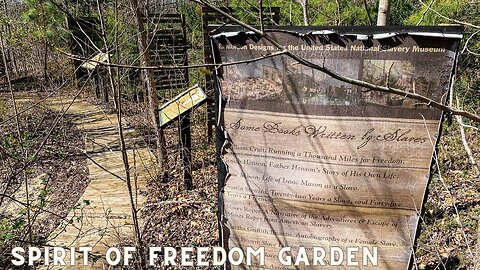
pixel 470 126
pixel 468 150
pixel 30 205
pixel 262 24
pixel 463 136
pixel 101 167
pixel 216 66
pixel 118 107
pixel 20 138
pixel 425 12
pixel 465 47
pixel 338 19
pixel 34 105
pixel 447 18
pixel 457 214
pixel 42 144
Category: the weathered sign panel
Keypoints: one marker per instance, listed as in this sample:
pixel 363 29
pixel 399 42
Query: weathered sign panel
pixel 323 166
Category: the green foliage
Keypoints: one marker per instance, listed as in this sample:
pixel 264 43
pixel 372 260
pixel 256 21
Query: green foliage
pixel 10 227
pixel 354 13
pixel 320 12
pixel 193 19
pixel 11 146
pixel 467 83
pixel 426 16
pixel 468 80
pixel 121 38
pixel 401 10
pixel 124 31
pixel 46 18
pixel 42 198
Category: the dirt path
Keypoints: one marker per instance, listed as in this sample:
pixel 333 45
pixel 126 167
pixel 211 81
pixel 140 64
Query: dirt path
pixel 103 216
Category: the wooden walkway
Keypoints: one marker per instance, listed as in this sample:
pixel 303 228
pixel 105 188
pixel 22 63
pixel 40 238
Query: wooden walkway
pixel 103 217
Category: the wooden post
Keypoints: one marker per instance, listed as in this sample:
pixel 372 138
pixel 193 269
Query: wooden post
pixel 96 80
pixel 185 131
pixel 210 119
pixel 186 150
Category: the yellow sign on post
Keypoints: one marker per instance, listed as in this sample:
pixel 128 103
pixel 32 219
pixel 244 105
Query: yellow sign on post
pixel 182 103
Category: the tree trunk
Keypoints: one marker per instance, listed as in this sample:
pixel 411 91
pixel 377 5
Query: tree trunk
pixel 9 52
pixel 150 84
pixel 304 4
pixel 45 60
pixel 383 12
pixel 117 98
pixel 305 13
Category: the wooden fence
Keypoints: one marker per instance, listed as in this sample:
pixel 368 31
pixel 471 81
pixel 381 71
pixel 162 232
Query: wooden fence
pixel 211 20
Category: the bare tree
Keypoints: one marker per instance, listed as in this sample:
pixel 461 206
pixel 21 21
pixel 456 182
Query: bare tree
pixel 145 60
pixel 123 147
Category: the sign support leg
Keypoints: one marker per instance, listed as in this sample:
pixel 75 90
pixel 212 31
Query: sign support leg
pixel 186 150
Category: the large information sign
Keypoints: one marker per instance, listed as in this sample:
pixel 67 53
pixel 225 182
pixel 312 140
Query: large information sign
pixel 319 172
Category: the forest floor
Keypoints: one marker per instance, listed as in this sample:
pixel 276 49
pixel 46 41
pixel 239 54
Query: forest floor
pixel 56 178
pixel 450 233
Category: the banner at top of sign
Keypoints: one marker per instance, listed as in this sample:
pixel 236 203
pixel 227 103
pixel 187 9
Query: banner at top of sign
pixel 441 31
pixel 416 60
pixel 358 36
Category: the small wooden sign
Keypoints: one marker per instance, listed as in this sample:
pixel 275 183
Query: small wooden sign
pixel 95 61
pixel 181 104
